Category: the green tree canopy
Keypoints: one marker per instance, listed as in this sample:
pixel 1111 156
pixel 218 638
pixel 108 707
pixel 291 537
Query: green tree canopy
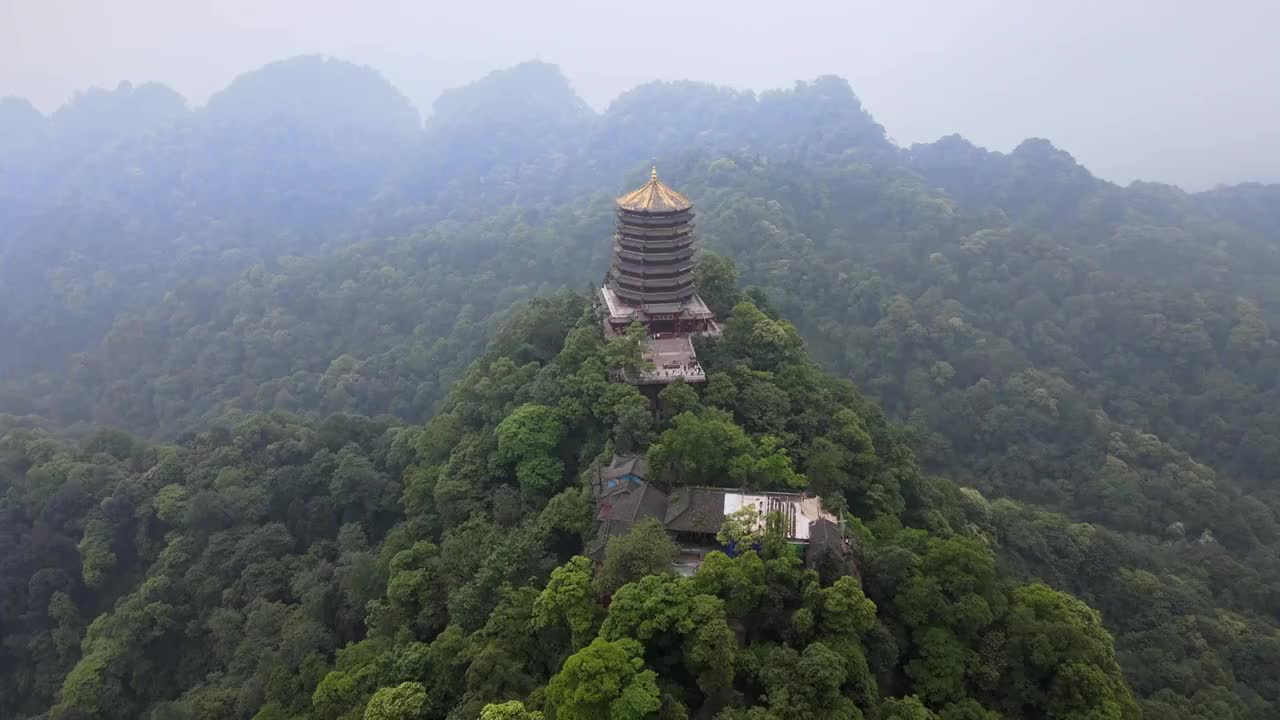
pixel 405 701
pixel 645 550
pixel 606 680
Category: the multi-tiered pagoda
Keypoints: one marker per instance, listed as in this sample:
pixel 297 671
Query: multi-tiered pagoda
pixel 651 281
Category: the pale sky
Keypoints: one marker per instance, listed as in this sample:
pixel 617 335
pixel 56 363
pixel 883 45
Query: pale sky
pixel 1176 90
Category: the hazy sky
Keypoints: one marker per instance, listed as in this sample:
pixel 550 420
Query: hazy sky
pixel 1174 90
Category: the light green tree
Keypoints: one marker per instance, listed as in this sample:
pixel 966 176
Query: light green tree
pixel 529 431
pixel 625 353
pixel 905 708
pixel 569 600
pixel 665 614
pixel 1059 657
pixel 645 550
pixel 700 447
pixel 678 397
pixel 738 581
pixel 846 612
pixel 742 527
pixel 717 279
pixel 405 701
pixel 512 710
pixel 606 680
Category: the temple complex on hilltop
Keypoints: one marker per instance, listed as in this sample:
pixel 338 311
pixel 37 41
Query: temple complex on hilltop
pixel 651 282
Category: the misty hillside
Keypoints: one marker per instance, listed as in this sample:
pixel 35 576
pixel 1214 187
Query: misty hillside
pixel 1084 374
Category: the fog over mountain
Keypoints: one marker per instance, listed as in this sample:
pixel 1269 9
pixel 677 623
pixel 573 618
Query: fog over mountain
pixel 1185 95
pixel 363 366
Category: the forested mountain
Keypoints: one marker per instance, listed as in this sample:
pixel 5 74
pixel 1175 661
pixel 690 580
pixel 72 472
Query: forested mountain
pixel 1097 361
pixel 353 569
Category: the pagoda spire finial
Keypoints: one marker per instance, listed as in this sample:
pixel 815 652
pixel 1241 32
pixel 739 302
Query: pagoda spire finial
pixel 653 172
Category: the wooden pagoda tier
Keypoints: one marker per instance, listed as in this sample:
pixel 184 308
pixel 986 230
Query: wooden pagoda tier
pixel 651 282
pixel 653 246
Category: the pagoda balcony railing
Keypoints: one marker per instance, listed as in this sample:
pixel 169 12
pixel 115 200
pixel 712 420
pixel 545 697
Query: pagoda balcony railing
pixel 652 281
pixel 664 376
pixel 653 296
pixel 646 259
pixel 653 270
pixel 654 244
pixel 650 256
pixel 628 217
pixel 645 231
pixel 654 284
pixel 643 257
pixel 648 282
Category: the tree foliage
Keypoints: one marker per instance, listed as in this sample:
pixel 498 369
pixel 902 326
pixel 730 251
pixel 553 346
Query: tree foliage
pixel 364 407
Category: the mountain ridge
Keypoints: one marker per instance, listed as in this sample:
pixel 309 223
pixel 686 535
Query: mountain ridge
pixel 1102 357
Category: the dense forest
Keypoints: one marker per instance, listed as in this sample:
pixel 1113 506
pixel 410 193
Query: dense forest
pixel 272 367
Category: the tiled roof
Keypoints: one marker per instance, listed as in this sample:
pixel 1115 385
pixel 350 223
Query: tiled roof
pixel 626 465
pixel 642 503
pixel 695 509
pixel 654 196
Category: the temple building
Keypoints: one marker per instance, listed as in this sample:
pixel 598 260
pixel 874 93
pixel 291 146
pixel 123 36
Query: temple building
pixel 694 515
pixel 651 282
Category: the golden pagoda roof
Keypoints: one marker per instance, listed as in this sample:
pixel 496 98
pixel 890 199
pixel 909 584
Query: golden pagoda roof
pixel 654 196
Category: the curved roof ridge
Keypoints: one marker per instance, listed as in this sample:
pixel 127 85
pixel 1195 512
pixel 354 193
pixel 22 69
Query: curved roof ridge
pixel 654 196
